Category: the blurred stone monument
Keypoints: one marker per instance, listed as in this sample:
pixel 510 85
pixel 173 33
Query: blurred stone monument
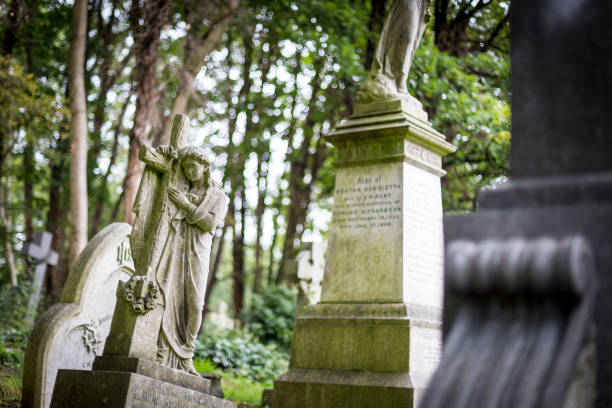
pixel 532 238
pixel 71 333
pixel 148 354
pixel 40 251
pixel 374 338
pixel 307 270
pixel 310 267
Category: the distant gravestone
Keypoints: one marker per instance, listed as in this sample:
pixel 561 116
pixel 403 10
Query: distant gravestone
pixel 221 318
pixel 40 251
pixel 310 266
pixel 71 333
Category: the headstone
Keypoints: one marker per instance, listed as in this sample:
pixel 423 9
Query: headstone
pixel 309 269
pixel 560 185
pixel 40 251
pixel 148 354
pixel 221 317
pixel 374 338
pixel 71 333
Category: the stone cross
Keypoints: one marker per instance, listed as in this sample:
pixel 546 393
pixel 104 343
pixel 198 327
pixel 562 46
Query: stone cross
pixel 150 226
pixel 40 251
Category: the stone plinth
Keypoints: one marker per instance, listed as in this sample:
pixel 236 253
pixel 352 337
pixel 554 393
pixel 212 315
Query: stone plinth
pixel 374 340
pixel 130 382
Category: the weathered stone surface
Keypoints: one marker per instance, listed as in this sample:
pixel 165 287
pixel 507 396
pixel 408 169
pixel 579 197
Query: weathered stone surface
pixel 561 86
pixel 525 318
pixel 385 239
pixel 153 370
pixel 347 388
pixel 71 333
pixel 178 207
pixel 398 41
pixel 561 173
pixel 338 337
pixel 115 389
pixel 374 339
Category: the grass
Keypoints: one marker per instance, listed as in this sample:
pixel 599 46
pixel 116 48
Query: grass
pixel 237 389
pixel 10 388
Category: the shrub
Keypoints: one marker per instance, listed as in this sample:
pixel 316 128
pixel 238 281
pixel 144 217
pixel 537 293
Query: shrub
pixel 243 355
pixel 271 315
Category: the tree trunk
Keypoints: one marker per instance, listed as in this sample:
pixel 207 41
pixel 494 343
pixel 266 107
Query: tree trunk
pixel 103 188
pixel 299 193
pixel 7 232
pixel 375 23
pixel 78 130
pixel 13 21
pixel 56 219
pixel 277 210
pixel 197 48
pixel 262 186
pixel 212 278
pixel 154 14
pixel 28 188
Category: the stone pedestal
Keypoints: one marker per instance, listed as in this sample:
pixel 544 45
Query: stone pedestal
pixel 131 382
pixel 374 340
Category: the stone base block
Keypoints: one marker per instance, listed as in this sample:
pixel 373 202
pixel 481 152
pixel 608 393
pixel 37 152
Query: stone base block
pixel 319 388
pixel 360 355
pixel 128 382
pixel 383 337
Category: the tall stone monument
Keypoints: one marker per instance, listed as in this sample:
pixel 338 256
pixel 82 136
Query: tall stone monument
pixel 560 192
pixel 148 355
pixel 374 339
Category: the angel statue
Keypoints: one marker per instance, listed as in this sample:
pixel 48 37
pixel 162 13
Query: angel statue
pixel 399 39
pixel 178 208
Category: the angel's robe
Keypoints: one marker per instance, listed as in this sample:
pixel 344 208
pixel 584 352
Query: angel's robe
pixel 182 275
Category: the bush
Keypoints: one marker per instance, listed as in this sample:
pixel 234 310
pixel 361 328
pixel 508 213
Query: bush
pixel 243 355
pixel 271 315
pixel 14 329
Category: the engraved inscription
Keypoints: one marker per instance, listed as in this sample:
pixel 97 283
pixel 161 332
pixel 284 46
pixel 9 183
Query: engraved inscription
pixel 370 203
pixel 421 154
pixel 124 254
pixel 171 397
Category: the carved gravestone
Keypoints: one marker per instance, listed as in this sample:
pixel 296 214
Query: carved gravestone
pixel 72 333
pixel 148 355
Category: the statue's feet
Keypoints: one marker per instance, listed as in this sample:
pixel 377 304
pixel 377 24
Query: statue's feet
pixel 187 365
pixel 377 88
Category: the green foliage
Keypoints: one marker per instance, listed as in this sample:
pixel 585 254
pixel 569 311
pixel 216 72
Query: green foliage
pixel 271 315
pixel 14 332
pixel 14 329
pixel 472 111
pixel 242 354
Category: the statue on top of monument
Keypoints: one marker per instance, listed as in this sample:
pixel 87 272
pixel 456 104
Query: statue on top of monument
pixel 178 208
pixel 399 39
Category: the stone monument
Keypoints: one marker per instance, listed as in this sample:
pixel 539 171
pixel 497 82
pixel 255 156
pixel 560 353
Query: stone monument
pixel 560 187
pixel 147 358
pixel 72 332
pixel 374 338
pixel 41 252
